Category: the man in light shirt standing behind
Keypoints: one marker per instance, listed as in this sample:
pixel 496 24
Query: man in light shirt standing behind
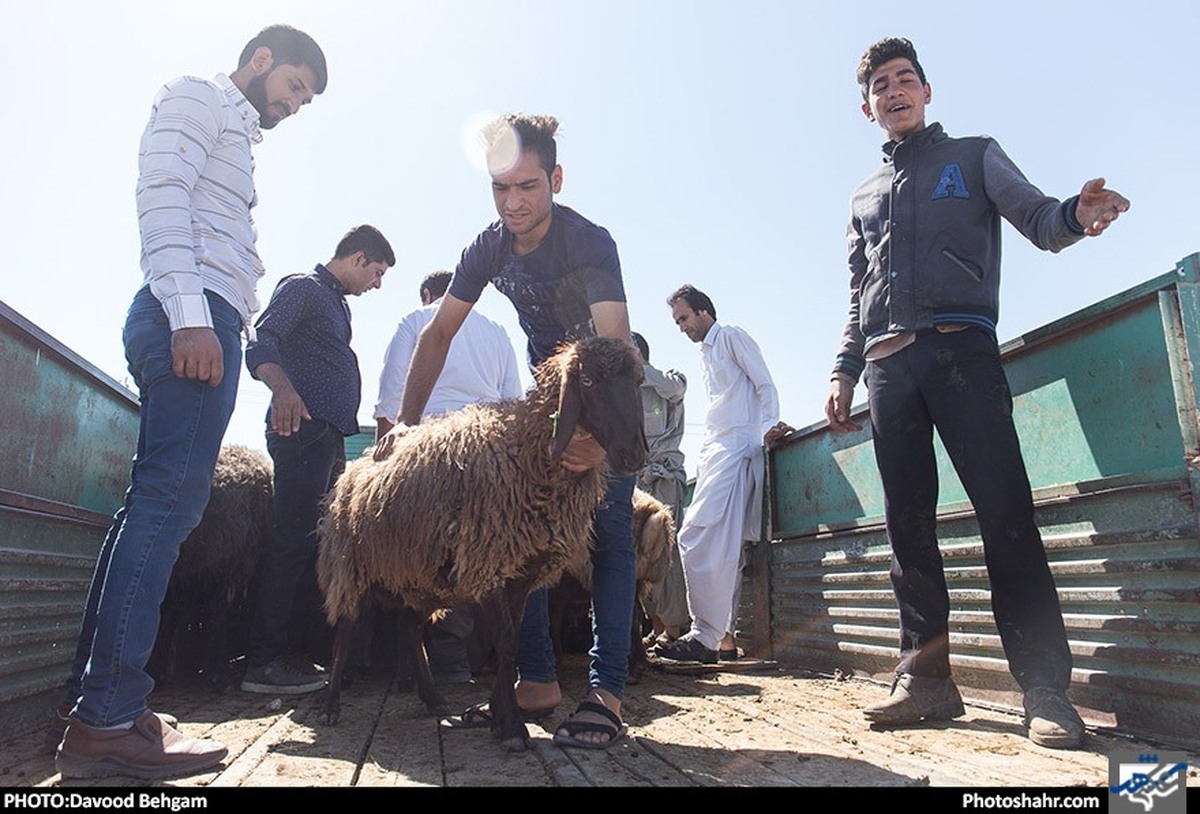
pixel 481 366
pixel 183 343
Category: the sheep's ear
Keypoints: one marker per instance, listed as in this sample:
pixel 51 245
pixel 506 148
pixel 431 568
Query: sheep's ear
pixel 570 404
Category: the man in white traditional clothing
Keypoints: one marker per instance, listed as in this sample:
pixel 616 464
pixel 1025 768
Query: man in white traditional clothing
pixel 743 415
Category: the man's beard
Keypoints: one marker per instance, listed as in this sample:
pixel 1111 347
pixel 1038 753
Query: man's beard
pixel 256 93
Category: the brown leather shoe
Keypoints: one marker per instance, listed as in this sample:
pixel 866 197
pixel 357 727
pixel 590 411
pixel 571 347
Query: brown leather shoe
pixel 61 716
pixel 149 749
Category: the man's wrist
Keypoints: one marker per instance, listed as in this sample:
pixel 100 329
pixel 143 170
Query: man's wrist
pixel 1070 215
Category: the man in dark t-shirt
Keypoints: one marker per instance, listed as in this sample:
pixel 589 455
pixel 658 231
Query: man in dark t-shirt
pixel 553 286
pixel 562 274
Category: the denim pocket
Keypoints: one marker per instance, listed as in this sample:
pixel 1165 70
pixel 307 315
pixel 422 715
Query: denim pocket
pixel 225 317
pixel 147 338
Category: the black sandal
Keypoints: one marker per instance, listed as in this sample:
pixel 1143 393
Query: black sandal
pixel 567 731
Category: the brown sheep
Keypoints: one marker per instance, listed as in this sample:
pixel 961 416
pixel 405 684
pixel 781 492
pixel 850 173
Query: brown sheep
pixel 653 539
pixel 474 507
pixel 215 571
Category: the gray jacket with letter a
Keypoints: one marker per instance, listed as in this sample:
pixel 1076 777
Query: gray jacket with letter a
pixel 924 237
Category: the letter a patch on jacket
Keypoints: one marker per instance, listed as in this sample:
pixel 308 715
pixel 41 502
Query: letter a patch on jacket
pixel 950 183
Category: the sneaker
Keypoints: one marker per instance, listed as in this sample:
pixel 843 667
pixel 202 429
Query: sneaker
pixel 686 648
pixel 149 749
pixel 915 699
pixel 284 676
pixel 1051 720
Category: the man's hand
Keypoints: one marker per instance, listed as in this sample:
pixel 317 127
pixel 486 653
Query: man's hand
pixel 837 407
pixel 583 453
pixel 1098 207
pixel 387 443
pixel 287 408
pixel 196 354
pixel 775 433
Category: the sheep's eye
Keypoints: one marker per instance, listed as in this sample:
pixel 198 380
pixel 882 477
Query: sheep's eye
pixel 586 380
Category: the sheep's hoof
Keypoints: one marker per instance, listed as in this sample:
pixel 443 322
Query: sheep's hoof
pixel 331 717
pixel 515 744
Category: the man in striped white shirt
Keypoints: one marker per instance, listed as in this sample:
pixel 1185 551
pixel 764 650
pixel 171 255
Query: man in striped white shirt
pixel 183 343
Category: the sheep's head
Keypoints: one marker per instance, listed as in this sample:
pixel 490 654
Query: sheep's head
pixel 598 381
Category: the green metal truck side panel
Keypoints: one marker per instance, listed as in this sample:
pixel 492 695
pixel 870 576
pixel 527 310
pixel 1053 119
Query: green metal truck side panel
pixel 1105 403
pixel 69 436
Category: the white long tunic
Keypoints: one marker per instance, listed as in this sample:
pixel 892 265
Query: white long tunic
pixel 726 508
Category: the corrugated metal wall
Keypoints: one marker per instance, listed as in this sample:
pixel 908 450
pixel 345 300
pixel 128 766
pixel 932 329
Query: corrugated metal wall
pixel 1105 404
pixel 69 434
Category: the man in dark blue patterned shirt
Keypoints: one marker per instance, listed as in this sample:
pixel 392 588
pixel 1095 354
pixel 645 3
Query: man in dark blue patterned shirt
pixel 302 352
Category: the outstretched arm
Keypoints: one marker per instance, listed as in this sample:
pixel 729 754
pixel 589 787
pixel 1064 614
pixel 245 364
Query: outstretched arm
pixel 430 357
pixel 426 365
pixel 1098 207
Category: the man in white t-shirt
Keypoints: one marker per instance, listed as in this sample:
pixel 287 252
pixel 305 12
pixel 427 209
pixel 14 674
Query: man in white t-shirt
pixel 480 367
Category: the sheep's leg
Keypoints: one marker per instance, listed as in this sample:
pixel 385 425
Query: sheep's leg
pixel 507 724
pixel 216 641
pixel 412 628
pixel 406 661
pixel 637 651
pixel 341 654
pixel 161 663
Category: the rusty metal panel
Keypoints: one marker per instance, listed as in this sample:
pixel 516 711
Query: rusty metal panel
pixel 70 433
pixel 1105 403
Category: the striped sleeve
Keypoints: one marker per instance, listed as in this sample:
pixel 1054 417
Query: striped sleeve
pixel 184 126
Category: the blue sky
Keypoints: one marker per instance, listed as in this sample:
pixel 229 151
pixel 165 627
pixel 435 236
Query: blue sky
pixel 717 141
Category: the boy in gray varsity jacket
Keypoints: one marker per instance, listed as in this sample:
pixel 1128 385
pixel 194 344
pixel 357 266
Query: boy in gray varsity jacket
pixel 924 261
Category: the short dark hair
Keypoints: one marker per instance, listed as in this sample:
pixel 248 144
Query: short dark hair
pixel 697 299
pixel 533 133
pixel 289 46
pixel 886 50
pixel 368 240
pixel 642 346
pixel 436 283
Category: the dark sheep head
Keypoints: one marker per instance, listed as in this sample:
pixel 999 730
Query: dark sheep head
pixel 598 381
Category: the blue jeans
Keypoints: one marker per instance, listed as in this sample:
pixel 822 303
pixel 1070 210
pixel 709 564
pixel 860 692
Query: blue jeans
pixel 613 594
pixel 305 464
pixel 182 422
pixel 954 382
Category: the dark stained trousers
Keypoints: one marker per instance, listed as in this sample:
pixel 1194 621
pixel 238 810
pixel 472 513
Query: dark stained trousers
pixel 306 464
pixel 954 382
